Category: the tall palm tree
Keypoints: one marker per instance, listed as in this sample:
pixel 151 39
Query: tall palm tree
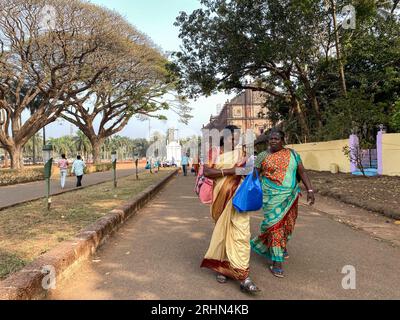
pixel 32 149
pixel 82 144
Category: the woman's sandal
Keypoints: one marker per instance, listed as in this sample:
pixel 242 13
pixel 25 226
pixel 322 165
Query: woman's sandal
pixel 248 286
pixel 286 255
pixel 277 272
pixel 221 278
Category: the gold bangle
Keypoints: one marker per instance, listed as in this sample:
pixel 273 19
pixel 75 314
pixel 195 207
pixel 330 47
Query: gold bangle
pixel 222 171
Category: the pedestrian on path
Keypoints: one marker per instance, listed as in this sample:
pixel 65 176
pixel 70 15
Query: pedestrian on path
pixel 196 165
pixel 149 165
pixel 63 165
pixel 229 250
pixel 78 168
pixel 157 165
pixel 185 163
pixel 279 168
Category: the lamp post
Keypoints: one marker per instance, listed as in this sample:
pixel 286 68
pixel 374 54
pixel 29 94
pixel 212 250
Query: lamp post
pixel 114 164
pixel 48 161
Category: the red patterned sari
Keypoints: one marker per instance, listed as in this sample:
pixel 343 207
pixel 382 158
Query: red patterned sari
pixel 280 203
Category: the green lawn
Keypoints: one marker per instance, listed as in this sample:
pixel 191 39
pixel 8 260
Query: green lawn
pixel 28 230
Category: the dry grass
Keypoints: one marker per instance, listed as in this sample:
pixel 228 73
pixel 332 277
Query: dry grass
pixel 379 194
pixel 28 230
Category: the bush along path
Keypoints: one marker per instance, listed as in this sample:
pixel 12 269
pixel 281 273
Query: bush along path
pixel 29 174
pixel 16 194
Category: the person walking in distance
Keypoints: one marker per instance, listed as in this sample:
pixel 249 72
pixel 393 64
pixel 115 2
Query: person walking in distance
pixel 78 168
pixel 185 163
pixel 63 165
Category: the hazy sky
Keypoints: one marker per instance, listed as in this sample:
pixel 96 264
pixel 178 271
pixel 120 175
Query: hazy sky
pixel 155 18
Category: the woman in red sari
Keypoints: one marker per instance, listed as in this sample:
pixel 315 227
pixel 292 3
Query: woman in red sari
pixel 279 168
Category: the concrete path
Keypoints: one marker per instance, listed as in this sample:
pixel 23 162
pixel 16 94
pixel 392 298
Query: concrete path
pixel 157 255
pixel 14 194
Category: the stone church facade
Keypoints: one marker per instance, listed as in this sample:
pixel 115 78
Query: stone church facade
pixel 245 111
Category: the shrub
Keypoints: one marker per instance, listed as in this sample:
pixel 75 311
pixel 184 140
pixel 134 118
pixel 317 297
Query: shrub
pixel 13 176
pixel 102 167
pixel 99 167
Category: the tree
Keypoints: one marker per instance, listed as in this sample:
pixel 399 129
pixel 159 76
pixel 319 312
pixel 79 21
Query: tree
pixel 66 145
pixel 395 120
pixel 282 44
pixel 294 52
pixel 82 144
pixel 32 149
pixel 47 64
pixel 138 85
pixel 140 147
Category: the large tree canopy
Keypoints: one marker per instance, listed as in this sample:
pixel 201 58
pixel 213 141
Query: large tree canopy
pixel 44 64
pixel 80 61
pixel 137 85
pixel 286 49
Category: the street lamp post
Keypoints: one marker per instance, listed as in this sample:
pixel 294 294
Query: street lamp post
pixel 48 162
pixel 114 164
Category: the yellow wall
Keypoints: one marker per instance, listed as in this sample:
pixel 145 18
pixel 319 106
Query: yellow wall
pixel 320 155
pixel 391 154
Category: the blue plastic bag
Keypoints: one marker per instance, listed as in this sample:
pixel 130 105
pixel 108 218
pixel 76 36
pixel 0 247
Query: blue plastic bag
pixel 249 197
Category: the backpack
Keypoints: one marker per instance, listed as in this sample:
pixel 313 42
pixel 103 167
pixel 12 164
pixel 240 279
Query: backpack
pixel 204 187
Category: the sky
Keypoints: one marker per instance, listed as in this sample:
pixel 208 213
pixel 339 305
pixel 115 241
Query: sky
pixel 155 18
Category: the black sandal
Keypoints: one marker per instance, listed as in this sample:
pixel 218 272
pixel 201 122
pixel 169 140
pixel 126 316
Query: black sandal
pixel 248 286
pixel 277 272
pixel 221 278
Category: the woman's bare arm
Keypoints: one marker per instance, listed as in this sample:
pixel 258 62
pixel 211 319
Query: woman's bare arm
pixel 213 173
pixel 307 182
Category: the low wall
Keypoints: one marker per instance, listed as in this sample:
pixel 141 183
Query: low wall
pixel 391 154
pixel 320 155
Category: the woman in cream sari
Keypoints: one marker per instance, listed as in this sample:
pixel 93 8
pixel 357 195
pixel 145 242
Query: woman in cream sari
pixel 229 251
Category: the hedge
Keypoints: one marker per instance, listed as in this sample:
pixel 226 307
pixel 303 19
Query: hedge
pixel 14 176
pixel 100 167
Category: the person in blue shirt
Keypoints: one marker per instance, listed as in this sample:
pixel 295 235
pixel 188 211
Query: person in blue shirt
pixel 78 168
pixel 185 163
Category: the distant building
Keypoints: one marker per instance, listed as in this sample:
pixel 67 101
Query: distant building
pixel 245 111
pixel 174 149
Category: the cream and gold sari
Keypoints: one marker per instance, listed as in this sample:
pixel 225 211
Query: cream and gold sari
pixel 229 251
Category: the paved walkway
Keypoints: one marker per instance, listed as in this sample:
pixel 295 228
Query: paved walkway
pixel 14 194
pixel 156 255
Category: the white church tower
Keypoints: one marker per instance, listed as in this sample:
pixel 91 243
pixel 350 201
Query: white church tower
pixel 174 149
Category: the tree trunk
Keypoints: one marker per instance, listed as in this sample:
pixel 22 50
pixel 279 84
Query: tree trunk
pixel 317 110
pixel 96 149
pixel 16 157
pixel 6 157
pixel 300 117
pixel 338 54
pixel 34 149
